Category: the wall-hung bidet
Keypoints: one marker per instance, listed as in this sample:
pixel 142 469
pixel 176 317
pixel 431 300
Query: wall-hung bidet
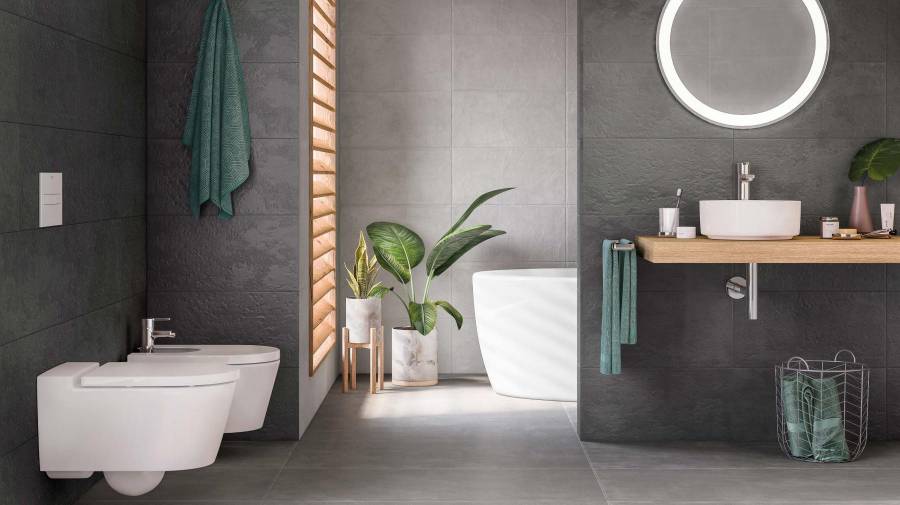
pixel 258 365
pixel 131 421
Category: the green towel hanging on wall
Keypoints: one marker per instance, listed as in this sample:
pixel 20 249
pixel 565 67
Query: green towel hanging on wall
pixel 218 126
pixel 619 305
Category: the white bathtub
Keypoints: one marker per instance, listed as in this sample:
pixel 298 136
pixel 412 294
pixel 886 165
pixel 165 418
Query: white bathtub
pixel 527 329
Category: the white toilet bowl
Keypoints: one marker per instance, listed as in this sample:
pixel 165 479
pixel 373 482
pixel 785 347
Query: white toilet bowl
pixel 258 365
pixel 132 421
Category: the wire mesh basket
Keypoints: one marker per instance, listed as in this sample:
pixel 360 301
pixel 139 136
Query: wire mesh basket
pixel 822 408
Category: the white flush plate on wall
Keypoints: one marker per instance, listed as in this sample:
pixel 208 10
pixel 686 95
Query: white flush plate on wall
pixel 50 189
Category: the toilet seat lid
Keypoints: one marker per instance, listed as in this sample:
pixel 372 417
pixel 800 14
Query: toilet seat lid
pixel 159 374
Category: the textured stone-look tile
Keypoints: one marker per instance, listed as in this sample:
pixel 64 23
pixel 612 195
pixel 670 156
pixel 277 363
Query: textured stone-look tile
pixel 892 402
pixel 174 29
pixel 839 483
pixel 203 484
pixel 508 119
pixel 395 63
pixel 420 119
pixel 675 331
pixel 857 29
pixel 11 174
pixel 631 100
pixel 209 317
pixel 892 306
pixel 811 324
pixel 821 277
pixel 395 17
pixel 619 30
pixel 570 486
pixel 254 253
pixel 538 175
pixel 627 177
pixel 892 106
pixel 10 57
pixel 23 482
pixel 395 176
pixel 168 95
pixel 784 169
pixel 461 277
pixel 509 16
pixel 267 30
pixel 272 96
pixel 533 232
pixel 849 103
pixel 730 403
pixel 272 187
pixel 514 62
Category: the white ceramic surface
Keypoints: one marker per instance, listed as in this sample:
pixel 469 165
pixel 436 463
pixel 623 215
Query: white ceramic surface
pixel 414 357
pixel 527 330
pixel 132 428
pixel 258 366
pixel 362 314
pixel 750 219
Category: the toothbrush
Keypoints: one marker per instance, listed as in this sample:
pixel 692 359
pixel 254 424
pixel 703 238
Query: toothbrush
pixel 678 198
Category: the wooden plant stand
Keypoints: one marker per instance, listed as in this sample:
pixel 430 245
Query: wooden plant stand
pixel 350 355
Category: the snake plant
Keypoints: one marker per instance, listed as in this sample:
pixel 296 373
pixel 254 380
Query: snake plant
pixel 399 250
pixel 362 277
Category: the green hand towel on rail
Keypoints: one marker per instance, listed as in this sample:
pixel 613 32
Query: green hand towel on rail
pixel 619 318
pixel 218 126
pixel 812 412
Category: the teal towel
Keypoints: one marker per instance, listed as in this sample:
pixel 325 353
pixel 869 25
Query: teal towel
pixel 813 415
pixel 619 310
pixel 218 125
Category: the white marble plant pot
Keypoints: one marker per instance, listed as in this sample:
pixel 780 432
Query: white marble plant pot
pixel 414 357
pixel 362 314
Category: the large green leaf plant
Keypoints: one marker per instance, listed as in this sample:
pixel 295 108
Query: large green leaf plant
pixel 399 250
pixel 877 161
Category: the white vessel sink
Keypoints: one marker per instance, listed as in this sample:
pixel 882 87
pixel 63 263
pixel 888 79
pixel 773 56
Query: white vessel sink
pixel 750 219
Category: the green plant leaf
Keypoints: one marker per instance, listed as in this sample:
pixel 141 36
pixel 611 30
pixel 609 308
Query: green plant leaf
pixel 450 309
pixel 361 267
pixel 485 235
pixel 451 244
pixel 351 281
pixel 423 316
pixel 378 290
pixel 474 205
pixel 397 248
pixel 878 160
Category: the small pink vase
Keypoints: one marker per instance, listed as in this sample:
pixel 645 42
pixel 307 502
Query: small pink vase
pixel 860 217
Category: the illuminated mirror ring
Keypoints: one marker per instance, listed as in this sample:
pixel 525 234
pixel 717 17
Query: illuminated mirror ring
pixel 742 121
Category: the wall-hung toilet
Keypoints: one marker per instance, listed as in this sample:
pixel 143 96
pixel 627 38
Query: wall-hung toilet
pixel 131 421
pixel 258 366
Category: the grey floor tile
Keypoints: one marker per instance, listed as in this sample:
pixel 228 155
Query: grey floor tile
pixel 209 484
pixel 417 485
pixel 809 484
pixel 238 454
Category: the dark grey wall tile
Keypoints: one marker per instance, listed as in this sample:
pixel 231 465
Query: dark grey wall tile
pixel 272 187
pixel 892 308
pixel 233 318
pixel 23 482
pixel 878 406
pixel 857 28
pixel 245 253
pixel 652 169
pixel 849 103
pixel 619 30
pixel 892 95
pixel 168 95
pixel 631 100
pixel 11 175
pixel 9 59
pixel 812 324
pixel 273 93
pixel 173 30
pixel 282 418
pixel 892 402
pixel 892 21
pixel 821 277
pixel 267 30
pixel 725 402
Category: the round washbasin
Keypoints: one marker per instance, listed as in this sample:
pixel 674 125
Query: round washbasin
pixel 750 219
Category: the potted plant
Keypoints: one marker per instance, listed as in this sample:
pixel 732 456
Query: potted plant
pixel 399 250
pixel 877 161
pixel 364 310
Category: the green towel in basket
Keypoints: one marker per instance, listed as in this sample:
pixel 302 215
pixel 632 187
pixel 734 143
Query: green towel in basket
pixel 814 419
pixel 218 126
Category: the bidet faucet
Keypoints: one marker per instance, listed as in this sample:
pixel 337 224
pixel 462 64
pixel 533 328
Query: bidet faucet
pixel 149 334
pixel 744 178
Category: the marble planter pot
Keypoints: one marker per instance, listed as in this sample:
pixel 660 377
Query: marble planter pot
pixel 361 315
pixel 414 357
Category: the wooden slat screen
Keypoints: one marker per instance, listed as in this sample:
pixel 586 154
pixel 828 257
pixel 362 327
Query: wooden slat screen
pixel 322 178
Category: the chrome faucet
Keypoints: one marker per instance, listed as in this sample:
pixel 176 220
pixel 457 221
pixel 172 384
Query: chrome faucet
pixel 150 333
pixel 744 178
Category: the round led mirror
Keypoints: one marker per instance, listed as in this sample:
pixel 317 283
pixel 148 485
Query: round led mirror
pixel 742 63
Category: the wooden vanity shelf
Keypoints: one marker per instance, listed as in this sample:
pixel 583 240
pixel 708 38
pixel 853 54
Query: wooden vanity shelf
pixel 802 249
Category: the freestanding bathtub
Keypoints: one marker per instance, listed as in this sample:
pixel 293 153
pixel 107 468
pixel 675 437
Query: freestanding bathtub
pixel 527 329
